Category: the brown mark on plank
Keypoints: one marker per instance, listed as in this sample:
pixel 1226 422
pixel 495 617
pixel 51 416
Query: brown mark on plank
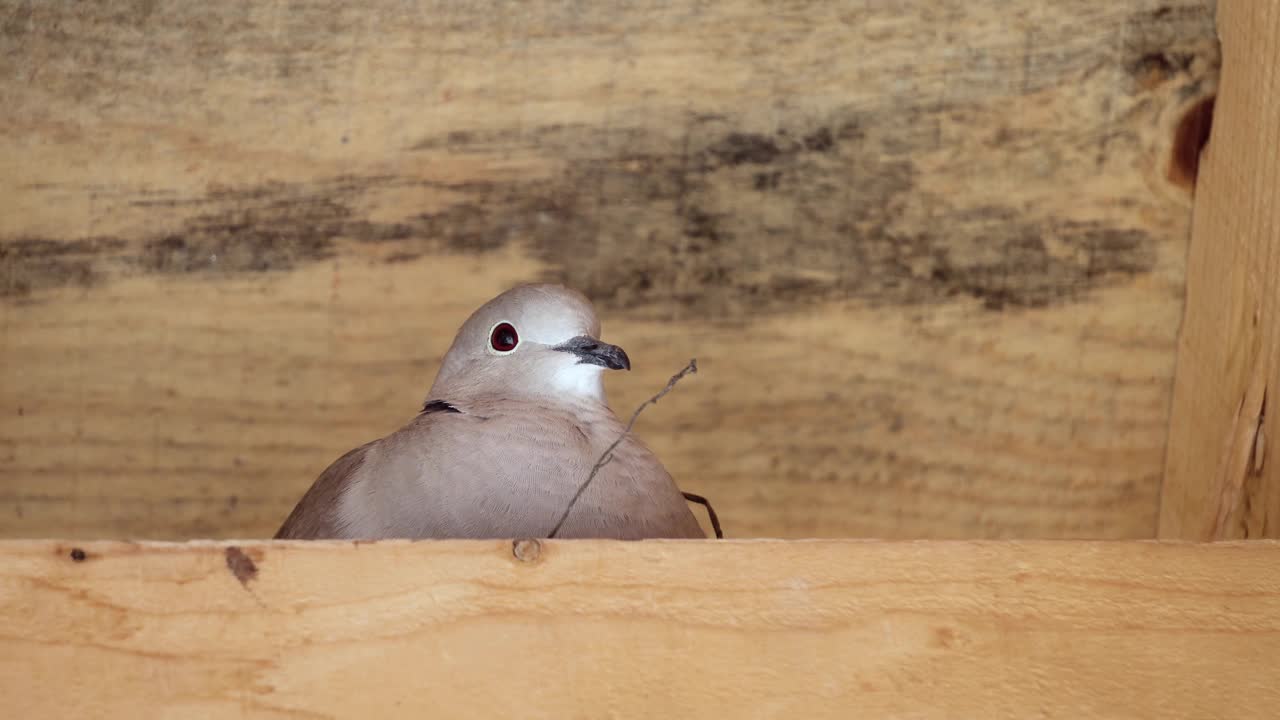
pixel 944 638
pixel 78 555
pixel 241 565
pixel 1190 138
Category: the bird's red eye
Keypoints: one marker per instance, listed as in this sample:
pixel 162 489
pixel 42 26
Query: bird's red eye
pixel 503 338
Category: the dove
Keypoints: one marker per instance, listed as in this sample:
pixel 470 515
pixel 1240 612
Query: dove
pixel 512 426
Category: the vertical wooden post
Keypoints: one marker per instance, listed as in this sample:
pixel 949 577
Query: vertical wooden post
pixel 1219 481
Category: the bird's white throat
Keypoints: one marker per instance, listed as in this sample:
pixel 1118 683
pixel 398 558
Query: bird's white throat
pixel 580 380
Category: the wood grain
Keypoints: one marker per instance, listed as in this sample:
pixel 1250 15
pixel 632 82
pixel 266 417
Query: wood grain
pixel 1219 482
pixel 929 255
pixel 703 629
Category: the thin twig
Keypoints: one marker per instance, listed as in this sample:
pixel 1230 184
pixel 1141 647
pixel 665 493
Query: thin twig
pixel 607 455
pixel 711 512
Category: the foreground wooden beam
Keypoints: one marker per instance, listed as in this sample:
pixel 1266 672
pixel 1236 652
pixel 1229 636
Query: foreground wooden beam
pixel 655 629
pixel 1229 349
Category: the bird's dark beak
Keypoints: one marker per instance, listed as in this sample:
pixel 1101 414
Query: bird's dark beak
pixel 593 352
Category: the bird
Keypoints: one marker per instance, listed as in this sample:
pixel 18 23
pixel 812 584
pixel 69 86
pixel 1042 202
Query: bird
pixel 513 424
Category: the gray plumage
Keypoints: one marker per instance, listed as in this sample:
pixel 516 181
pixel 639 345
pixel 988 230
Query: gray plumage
pixel 503 442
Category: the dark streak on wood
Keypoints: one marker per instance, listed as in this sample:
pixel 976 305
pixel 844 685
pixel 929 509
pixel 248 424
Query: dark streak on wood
pixel 697 250
pixel 241 565
pixel 1190 138
pixel 29 264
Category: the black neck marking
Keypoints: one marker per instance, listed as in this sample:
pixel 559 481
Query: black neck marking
pixel 438 406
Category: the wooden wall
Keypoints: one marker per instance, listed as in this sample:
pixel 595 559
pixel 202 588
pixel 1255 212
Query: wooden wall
pixel 930 254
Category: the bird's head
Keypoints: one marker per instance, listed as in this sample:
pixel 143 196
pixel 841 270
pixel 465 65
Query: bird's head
pixel 531 341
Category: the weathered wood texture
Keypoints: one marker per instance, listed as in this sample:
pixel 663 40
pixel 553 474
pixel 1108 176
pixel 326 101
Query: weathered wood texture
pixel 930 255
pixel 747 629
pixel 1219 482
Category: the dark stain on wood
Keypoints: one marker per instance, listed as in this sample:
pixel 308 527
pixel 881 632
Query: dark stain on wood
pixel 78 555
pixel 767 181
pixel 1190 137
pixel 268 228
pixel 819 141
pixel 29 264
pixel 745 148
pixel 241 565
pixel 400 257
pixel 724 223
pixel 1154 68
pixel 1163 28
pixel 18 22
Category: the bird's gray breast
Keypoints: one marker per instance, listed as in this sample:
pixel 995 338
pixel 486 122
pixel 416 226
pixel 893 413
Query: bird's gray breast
pixel 479 472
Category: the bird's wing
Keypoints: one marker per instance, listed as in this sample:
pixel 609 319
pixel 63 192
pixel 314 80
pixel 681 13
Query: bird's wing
pixel 315 515
pixel 324 511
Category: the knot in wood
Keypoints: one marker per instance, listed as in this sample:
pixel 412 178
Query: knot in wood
pixel 528 550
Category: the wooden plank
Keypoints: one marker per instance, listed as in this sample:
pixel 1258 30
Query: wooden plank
pixel 742 629
pixel 930 255
pixel 1218 481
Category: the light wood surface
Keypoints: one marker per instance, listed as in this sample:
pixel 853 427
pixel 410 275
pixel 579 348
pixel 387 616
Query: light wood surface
pixel 695 629
pixel 930 255
pixel 1220 481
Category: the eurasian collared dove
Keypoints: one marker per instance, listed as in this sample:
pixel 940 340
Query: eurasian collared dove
pixel 512 426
